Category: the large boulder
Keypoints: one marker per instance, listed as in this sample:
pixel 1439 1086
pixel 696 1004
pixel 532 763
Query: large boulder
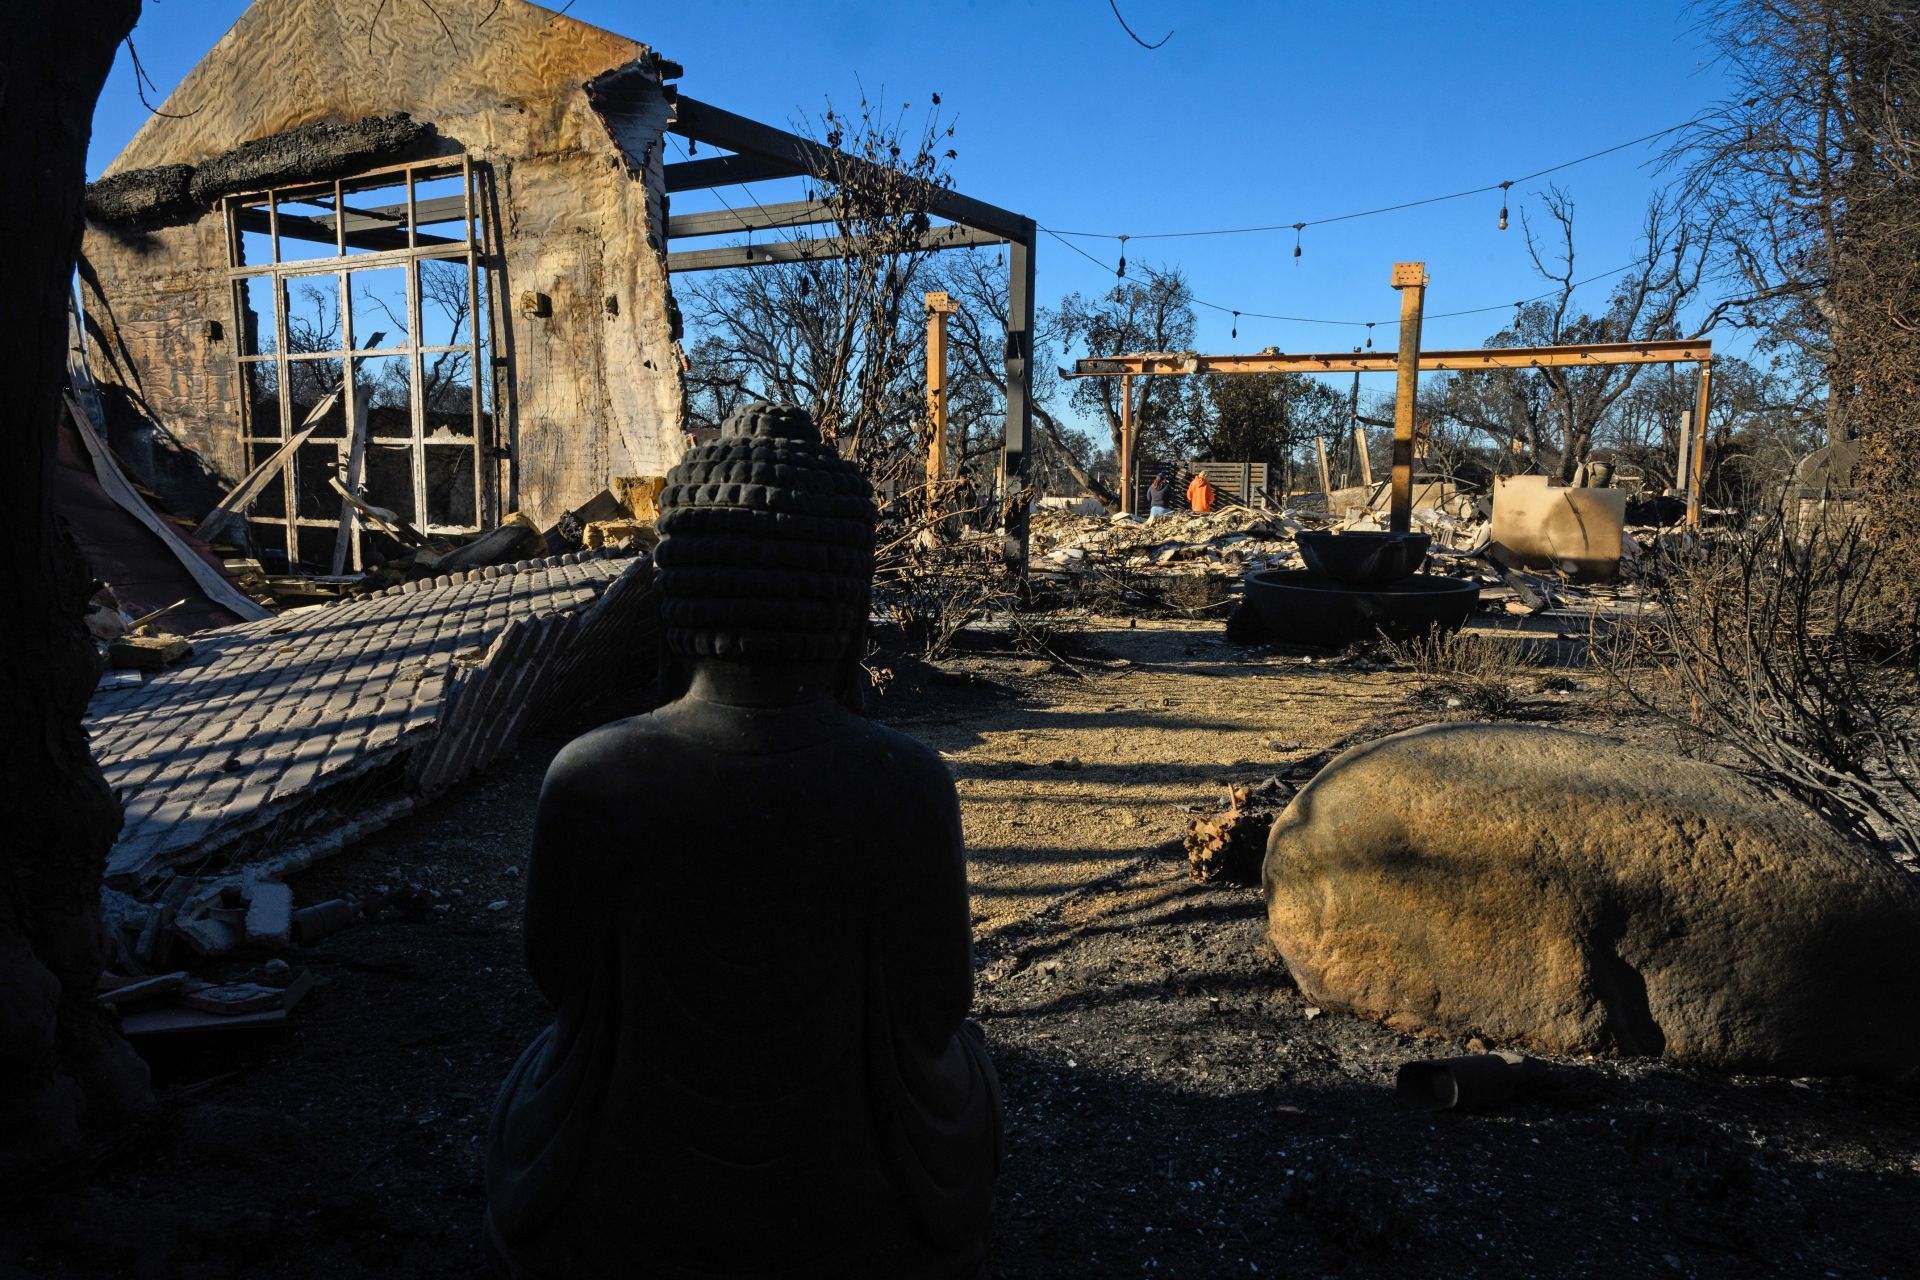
pixel 1578 895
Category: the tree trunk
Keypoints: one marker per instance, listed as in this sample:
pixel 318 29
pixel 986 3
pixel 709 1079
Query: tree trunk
pixel 62 1065
pixel 1082 475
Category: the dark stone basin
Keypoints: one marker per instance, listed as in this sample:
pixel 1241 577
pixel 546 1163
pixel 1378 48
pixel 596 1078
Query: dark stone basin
pixel 1298 607
pixel 1361 557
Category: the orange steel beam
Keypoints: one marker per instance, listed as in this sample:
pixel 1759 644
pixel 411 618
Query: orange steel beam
pixel 1410 278
pixel 1696 481
pixel 939 307
pixel 1684 351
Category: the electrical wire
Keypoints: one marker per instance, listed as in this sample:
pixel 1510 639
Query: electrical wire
pixel 1239 313
pixel 1296 227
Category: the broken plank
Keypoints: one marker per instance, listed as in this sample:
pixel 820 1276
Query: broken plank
pixel 114 482
pixel 243 494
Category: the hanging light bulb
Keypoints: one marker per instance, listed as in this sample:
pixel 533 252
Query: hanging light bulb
pixel 1369 335
pixel 1236 324
pixel 1298 227
pixel 1122 272
pixel 693 146
pixel 1503 204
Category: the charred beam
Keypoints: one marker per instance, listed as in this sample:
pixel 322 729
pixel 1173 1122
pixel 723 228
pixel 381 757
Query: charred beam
pixel 706 123
pixel 822 249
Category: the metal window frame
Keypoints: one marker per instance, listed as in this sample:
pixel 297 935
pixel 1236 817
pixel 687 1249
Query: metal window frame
pixel 478 250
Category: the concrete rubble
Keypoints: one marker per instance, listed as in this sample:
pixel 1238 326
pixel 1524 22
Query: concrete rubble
pixel 1195 564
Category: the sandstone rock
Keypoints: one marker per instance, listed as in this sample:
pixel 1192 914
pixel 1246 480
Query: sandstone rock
pixel 640 495
pixel 1577 895
pixel 616 533
pixel 147 653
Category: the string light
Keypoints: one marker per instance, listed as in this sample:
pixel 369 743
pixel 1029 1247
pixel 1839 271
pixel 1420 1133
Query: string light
pixel 1369 335
pixel 1298 227
pixel 1362 324
pixel 1391 208
pixel 1236 324
pixel 1503 204
pixel 1122 272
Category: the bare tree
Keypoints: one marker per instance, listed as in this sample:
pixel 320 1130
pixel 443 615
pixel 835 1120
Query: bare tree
pixel 1554 413
pixel 839 332
pixel 976 335
pixel 1822 97
pixel 1153 312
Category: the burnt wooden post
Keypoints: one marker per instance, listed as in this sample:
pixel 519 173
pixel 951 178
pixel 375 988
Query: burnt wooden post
pixel 1126 443
pixel 1410 278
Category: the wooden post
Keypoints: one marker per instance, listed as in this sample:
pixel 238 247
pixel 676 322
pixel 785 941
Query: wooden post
pixel 1410 278
pixel 1126 443
pixel 1683 453
pixel 1359 434
pixel 1696 480
pixel 939 307
pixel 1326 478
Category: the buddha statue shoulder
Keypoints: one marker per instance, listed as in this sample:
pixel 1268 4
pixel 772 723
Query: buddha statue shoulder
pixel 748 910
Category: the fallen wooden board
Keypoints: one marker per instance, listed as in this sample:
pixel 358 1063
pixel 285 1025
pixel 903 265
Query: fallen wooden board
pixel 117 487
pixel 385 519
pixel 243 494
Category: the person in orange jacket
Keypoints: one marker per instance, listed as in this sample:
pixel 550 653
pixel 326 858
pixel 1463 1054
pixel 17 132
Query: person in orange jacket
pixel 1200 493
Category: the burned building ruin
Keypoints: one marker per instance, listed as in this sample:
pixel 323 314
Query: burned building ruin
pixel 465 207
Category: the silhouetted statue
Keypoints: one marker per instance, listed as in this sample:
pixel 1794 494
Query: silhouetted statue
pixel 749 909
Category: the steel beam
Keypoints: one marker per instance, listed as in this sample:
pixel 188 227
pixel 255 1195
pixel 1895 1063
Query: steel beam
pixel 727 171
pixel 1596 354
pixel 796 155
pixel 826 247
pixel 370 234
pixel 1410 278
pixel 760 217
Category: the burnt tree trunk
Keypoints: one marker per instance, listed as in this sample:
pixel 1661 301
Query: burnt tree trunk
pixel 61 1063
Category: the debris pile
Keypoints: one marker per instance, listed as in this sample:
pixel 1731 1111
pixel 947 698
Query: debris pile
pixel 1221 544
pixel 284 740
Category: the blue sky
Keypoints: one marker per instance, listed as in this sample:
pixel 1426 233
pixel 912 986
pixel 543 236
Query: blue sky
pixel 1252 113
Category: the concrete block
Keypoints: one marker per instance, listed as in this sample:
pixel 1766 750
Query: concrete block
pixel 269 914
pixel 1539 523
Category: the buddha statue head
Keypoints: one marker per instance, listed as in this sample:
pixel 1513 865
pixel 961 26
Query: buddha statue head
pixel 766 552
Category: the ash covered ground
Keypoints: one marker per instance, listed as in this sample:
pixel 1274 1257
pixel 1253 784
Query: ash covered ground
pixel 1174 1106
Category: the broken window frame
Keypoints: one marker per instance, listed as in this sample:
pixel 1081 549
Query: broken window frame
pixel 477 250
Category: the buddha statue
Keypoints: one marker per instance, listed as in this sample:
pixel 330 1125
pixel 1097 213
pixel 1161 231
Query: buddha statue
pixel 749 912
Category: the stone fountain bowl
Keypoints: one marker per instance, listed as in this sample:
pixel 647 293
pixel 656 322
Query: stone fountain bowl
pixel 1363 558
pixel 1300 607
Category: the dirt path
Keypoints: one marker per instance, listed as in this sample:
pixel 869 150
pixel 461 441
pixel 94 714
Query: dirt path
pixel 1174 1107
